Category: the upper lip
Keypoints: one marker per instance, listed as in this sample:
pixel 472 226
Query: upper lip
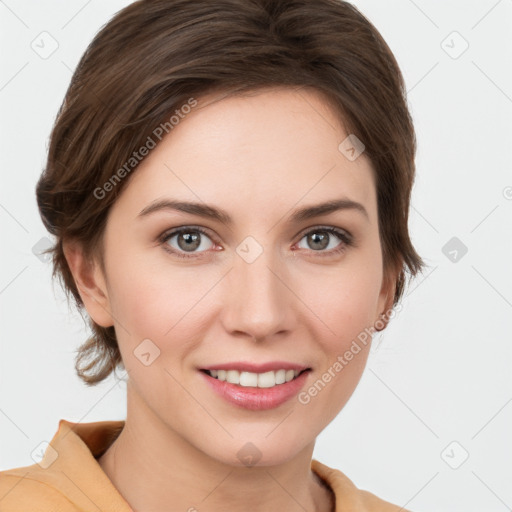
pixel 257 368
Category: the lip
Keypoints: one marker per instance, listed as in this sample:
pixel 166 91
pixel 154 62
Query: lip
pixel 243 366
pixel 254 398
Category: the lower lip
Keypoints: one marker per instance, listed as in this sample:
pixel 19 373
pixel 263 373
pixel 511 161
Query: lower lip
pixel 257 399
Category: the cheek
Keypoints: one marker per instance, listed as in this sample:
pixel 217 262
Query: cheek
pixel 344 300
pixel 345 312
pixel 166 302
pixel 344 303
pixel 152 302
pixel 157 324
pixel 173 306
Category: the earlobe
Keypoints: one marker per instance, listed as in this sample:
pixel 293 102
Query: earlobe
pixel 90 282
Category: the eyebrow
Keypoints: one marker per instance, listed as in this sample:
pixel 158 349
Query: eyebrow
pixel 211 212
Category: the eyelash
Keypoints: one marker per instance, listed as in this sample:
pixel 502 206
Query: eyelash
pixel 345 237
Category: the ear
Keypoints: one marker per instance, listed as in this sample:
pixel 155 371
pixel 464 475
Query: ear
pixel 386 298
pixel 91 284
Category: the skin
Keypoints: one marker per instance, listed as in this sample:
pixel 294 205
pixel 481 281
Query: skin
pixel 293 303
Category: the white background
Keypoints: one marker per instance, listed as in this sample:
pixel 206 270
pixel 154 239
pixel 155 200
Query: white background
pixel 442 369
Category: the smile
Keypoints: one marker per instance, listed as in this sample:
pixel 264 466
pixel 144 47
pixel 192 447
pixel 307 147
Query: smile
pixel 256 380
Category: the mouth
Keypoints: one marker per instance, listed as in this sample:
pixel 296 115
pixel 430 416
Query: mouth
pixel 256 387
pixel 268 379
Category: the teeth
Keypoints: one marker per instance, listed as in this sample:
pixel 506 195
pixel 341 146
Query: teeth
pixel 233 376
pixel 280 376
pixel 250 379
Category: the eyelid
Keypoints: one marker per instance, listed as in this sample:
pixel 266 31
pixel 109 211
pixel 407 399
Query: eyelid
pixel 185 227
pixel 326 227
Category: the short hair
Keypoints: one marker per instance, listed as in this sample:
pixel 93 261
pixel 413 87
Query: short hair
pixel 154 55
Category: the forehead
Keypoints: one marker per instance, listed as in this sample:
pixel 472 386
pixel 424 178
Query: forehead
pixel 261 151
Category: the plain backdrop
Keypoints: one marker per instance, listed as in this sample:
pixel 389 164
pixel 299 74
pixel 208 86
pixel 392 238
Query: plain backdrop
pixel 429 425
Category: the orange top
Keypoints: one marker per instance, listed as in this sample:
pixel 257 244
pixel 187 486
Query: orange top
pixel 69 478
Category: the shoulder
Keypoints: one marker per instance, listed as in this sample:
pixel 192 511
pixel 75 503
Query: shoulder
pixel 23 489
pixel 350 497
pixel 68 477
pixel 374 503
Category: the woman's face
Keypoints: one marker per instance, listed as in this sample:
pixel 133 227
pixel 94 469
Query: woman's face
pixel 266 286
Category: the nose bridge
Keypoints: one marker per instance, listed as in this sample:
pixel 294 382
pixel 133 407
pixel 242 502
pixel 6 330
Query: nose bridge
pixel 257 303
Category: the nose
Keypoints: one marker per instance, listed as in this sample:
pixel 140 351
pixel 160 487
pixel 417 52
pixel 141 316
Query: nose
pixel 258 302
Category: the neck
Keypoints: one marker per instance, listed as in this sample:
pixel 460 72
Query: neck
pixel 152 466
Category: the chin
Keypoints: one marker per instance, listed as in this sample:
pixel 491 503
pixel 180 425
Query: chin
pixel 256 451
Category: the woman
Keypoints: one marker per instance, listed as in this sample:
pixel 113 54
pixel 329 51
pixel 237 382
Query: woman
pixel 228 184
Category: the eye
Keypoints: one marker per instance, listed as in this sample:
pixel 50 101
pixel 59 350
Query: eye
pixel 188 239
pixel 323 239
pixel 191 241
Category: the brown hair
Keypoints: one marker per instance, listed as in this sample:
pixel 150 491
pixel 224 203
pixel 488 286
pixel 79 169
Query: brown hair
pixel 154 55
